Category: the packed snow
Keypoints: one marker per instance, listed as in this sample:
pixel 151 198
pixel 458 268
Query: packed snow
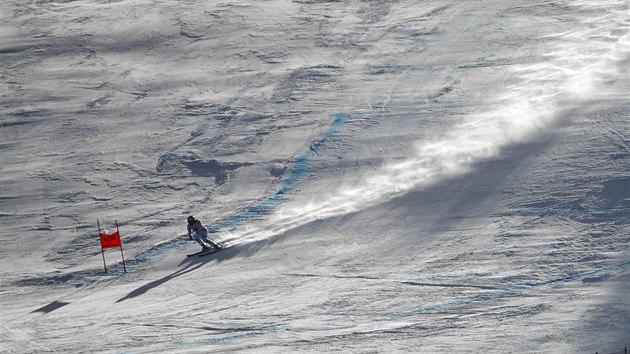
pixel 432 176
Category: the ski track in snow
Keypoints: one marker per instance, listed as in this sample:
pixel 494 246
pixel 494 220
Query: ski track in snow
pixel 297 173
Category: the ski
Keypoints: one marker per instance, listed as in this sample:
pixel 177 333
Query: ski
pixel 206 252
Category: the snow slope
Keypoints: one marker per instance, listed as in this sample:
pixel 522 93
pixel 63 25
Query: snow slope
pixel 389 176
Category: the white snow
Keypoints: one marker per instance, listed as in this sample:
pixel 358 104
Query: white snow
pixel 389 176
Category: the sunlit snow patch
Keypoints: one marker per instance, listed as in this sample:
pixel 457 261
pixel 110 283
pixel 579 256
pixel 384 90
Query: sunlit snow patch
pixel 540 94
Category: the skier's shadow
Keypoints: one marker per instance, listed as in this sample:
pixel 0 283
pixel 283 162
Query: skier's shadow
pixel 143 289
pixel 194 263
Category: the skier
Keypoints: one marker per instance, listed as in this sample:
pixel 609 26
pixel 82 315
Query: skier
pixel 200 234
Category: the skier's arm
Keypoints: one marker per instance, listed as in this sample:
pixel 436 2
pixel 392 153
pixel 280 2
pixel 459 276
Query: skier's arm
pixel 189 235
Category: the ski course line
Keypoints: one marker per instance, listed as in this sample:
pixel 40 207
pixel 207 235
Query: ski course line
pixel 297 173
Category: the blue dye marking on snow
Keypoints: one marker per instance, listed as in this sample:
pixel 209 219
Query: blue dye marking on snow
pixel 299 169
pixel 577 208
pixel 578 276
pixel 7 293
pixel 500 293
pixel 196 343
pixel 297 173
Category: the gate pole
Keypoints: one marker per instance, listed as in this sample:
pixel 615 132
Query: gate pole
pixel 102 250
pixel 121 250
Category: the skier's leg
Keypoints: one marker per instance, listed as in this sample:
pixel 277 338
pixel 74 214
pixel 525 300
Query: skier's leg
pixel 210 242
pixel 205 239
pixel 214 244
pixel 200 240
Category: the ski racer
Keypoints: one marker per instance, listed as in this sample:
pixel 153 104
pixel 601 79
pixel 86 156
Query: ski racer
pixel 199 233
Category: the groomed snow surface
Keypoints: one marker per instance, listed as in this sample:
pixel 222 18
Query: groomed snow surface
pixel 436 176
